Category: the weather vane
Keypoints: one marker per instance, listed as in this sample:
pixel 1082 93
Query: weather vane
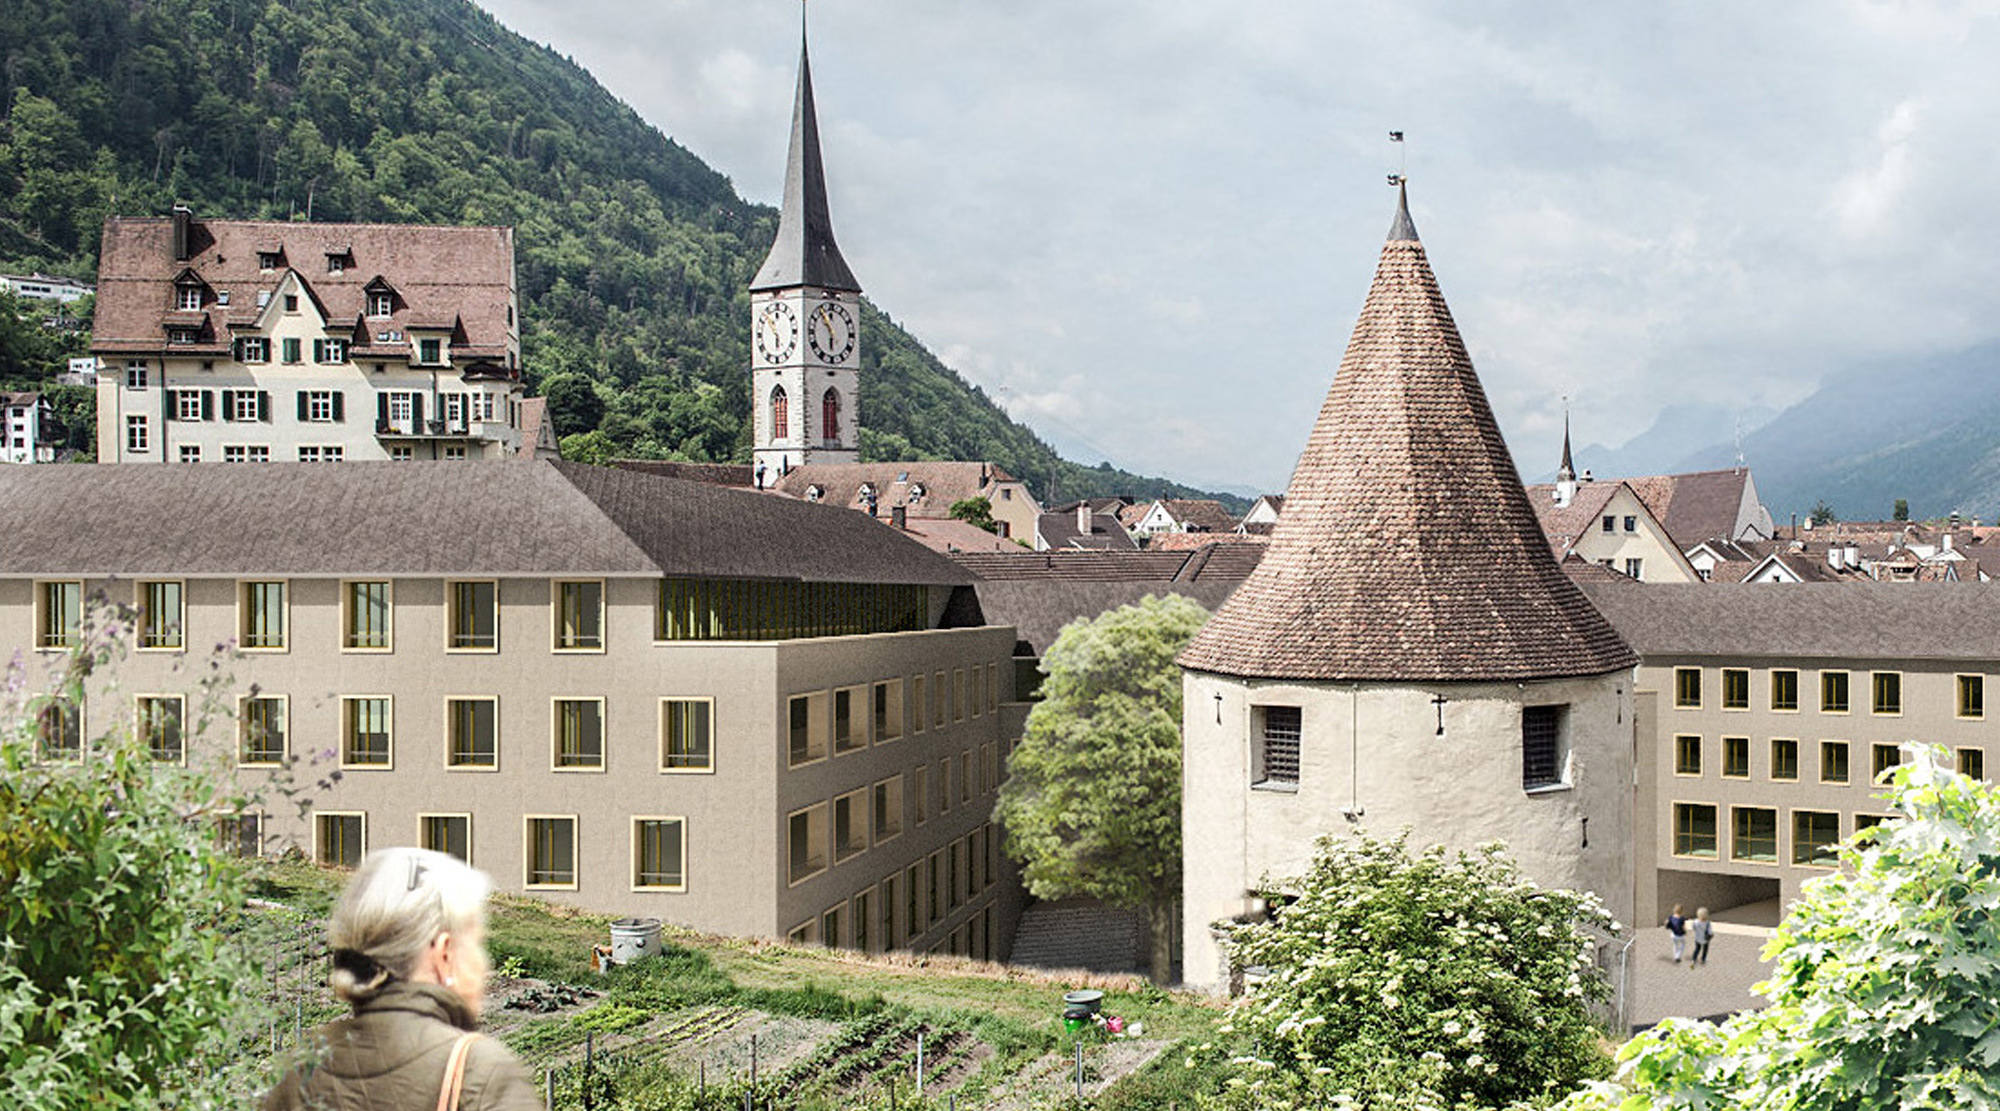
pixel 1402 173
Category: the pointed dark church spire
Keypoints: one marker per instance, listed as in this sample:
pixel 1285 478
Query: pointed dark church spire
pixel 1404 230
pixel 805 253
pixel 1568 469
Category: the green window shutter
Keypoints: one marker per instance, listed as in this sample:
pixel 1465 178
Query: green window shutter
pixel 264 406
pixel 339 406
pixel 208 404
pixel 302 405
pixel 229 405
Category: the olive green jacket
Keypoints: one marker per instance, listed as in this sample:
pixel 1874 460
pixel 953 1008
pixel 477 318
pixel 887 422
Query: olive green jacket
pixel 390 1055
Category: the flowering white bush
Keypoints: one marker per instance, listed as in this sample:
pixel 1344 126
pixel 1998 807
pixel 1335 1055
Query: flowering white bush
pixel 1439 980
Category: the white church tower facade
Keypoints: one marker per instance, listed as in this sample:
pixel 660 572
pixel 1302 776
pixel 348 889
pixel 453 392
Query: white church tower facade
pixel 805 317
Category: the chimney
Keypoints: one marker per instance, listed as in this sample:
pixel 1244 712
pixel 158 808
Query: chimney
pixel 1083 518
pixel 899 516
pixel 183 216
pixel 1853 556
pixel 1835 556
pixel 1947 541
pixel 1586 475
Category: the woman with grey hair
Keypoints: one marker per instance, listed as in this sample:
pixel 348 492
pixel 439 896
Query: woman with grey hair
pixel 409 955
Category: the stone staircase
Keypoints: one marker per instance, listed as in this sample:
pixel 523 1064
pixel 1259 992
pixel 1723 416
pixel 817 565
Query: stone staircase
pixel 1081 933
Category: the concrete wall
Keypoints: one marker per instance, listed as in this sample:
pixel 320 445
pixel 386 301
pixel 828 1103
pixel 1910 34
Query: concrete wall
pixel 1374 749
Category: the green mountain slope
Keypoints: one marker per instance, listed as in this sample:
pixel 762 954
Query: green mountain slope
pixel 633 254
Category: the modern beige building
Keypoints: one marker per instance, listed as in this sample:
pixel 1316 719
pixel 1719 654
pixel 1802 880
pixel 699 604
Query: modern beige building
pixel 736 712
pixel 1766 713
pixel 1407 653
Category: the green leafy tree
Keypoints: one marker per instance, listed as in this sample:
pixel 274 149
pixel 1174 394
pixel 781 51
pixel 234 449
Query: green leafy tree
pixel 1092 800
pixel 120 985
pixel 975 511
pixel 1902 512
pixel 1882 983
pixel 1822 513
pixel 1433 980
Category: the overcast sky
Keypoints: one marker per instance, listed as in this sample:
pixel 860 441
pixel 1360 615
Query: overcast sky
pixel 1146 228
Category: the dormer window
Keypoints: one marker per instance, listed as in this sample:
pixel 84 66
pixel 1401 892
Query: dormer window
pixel 188 298
pixel 381 302
pixel 222 297
pixel 430 352
pixel 814 493
pixel 263 297
pixel 180 335
pixel 916 491
pixel 335 264
pixel 270 260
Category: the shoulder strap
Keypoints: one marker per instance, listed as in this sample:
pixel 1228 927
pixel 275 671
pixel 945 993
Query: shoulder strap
pixel 454 1073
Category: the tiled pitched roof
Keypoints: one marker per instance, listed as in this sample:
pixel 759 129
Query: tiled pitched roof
pixel 715 474
pixel 1038 609
pixel 442 276
pixel 943 534
pixel 896 484
pixel 433 518
pixel 1564 524
pixel 1407 549
pixel 1256 535
pixel 1693 507
pixel 1231 563
pixel 1202 514
pixel 1058 530
pixel 1856 621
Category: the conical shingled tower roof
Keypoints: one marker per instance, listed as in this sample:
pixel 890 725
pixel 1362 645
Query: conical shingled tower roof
pixel 1407 550
pixel 804 252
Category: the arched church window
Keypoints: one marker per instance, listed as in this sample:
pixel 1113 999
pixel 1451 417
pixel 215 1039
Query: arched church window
pixel 829 412
pixel 781 416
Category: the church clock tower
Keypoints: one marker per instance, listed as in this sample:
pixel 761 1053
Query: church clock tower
pixel 805 316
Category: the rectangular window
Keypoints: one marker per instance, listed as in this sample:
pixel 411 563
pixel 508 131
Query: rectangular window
pixel 551 855
pixel 1544 761
pixel 807 729
pixel 1887 687
pixel 659 854
pixel 579 616
pixel 1635 568
pixel 240 834
pixel 136 375
pixel 831 926
pixel 288 350
pixel 944 785
pixel 847 735
pixel 1687 688
pixel 246 453
pixel 1784 690
pixel 260 731
pixel 321 453
pixel 475 617
pixel 687 735
pixel 58 731
pixel 472 734
pixel 890 901
pixel 1753 834
pixel 914 922
pixel 160 726
pixel 1687 755
pixel 850 825
pixel 1610 524
pixel 1972 763
pixel 918 713
pixel 318 405
pixel 253 349
pixel 958 694
pixel 954 875
pixel 454 451
pixel 920 793
pixel 1784 759
pixel 1868 821
pixel 189 299
pixel 1833 692
pixel 940 698
pixel 863 919
pixel 365 616
pixel 579 733
pixel 1881 759
pixel 1280 730
pixel 936 887
pixel 1735 688
pixel 887 812
pixel 1735 757
pixel 978 696
pixel 190 405
pixel 381 303
pixel 1694 830
pixel 60 623
pixel 975 856
pixel 137 437
pixel 1815 837
pixel 450 834
pixel 160 615
pixel 262 619
pixel 430 352
pixel 1833 761
pixel 364 732
pixel 992 687
pixel 1631 523
pixel 1972 696
pixel 888 710
pixel 806 839
pixel 329 351
pixel 340 840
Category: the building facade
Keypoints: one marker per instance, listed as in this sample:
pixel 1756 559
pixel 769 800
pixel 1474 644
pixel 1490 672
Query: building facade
pixel 734 712
pixel 41 287
pixel 29 430
pixel 257 341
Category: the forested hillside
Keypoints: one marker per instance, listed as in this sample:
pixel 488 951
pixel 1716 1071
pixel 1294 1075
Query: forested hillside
pixel 633 254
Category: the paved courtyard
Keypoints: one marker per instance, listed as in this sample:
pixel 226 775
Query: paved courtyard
pixel 1662 989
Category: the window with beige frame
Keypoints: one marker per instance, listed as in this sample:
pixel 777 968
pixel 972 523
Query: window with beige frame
pixel 160 727
pixel 549 855
pixel 1869 821
pixel 1735 757
pixel 472 621
pixel 162 613
pixel 1815 838
pixel 977 677
pixel 1971 696
pixel 850 825
pixel 806 842
pixel 806 728
pixel 992 687
pixel 240 834
pixel 849 731
pixel 366 731
pixel 914 901
pixel 1882 757
pixel 687 734
pixel 1735 688
pixel 1694 830
pixel 833 925
pixel 260 731
pixel 1972 763
pixel 1784 690
pixel 1833 761
pixel 58 730
pixel 805 933
pixel 1753 834
pixel 472 733
pixel 936 888
pixel 954 874
pixel 1687 688
pixel 659 854
pixel 1784 759
pixel 450 834
pixel 861 920
pixel 1886 692
pixel 1833 692
pixel 940 698
pixel 1687 754
pixel 364 616
pixel 261 616
pixel 958 694
pixel 577 607
pixel 944 785
pixel 340 839
pixel 579 734
pixel 919 712
pixel 58 614
pixel 965 776
pixel 975 862
pixel 920 793
pixel 886 813
pixel 888 710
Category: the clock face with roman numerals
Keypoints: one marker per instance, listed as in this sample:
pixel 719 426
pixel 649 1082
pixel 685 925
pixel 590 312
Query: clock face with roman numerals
pixel 777 332
pixel 831 332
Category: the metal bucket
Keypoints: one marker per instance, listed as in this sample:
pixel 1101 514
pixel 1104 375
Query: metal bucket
pixel 634 938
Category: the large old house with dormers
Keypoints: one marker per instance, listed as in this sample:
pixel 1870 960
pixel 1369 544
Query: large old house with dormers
pixel 246 341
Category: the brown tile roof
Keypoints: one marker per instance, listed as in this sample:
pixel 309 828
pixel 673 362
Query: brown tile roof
pixel 1188 541
pixel 1565 524
pixel 942 482
pixel 1581 570
pixel 1038 609
pixel 537 431
pixel 433 518
pixel 1407 549
pixel 1850 621
pixel 1231 563
pixel 1696 506
pixel 1058 530
pixel 715 474
pixel 442 276
pixel 943 534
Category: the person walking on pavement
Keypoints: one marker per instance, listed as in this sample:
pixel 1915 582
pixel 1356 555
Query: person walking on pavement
pixel 1702 929
pixel 1677 929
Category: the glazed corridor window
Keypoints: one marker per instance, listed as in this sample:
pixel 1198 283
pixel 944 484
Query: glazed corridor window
pixel 1542 757
pixel 1881 759
pixel 1735 689
pixel 1687 755
pixel 747 609
pixel 1687 688
pixel 61 621
pixel 551 852
pixel 1754 834
pixel 1833 692
pixel 659 854
pixel 58 731
pixel 888 710
pixel 475 616
pixel 260 730
pixel 1833 761
pixel 1736 757
pixel 579 616
pixel 1694 830
pixel 1784 759
pixel 1815 834
pixel 474 730
pixel 262 624
pixel 364 732
pixel 806 836
pixel 339 840
pixel 367 615
pixel 160 725
pixel 160 615
pixel 1887 687
pixel 450 834
pixel 579 732
pixel 1972 696
pixel 1280 730
pixel 686 734
pixel 1784 690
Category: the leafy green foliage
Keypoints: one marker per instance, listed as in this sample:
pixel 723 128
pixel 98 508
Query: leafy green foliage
pixel 634 257
pixel 1443 980
pixel 119 977
pixel 1883 977
pixel 1092 799
pixel 1822 513
pixel 975 511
